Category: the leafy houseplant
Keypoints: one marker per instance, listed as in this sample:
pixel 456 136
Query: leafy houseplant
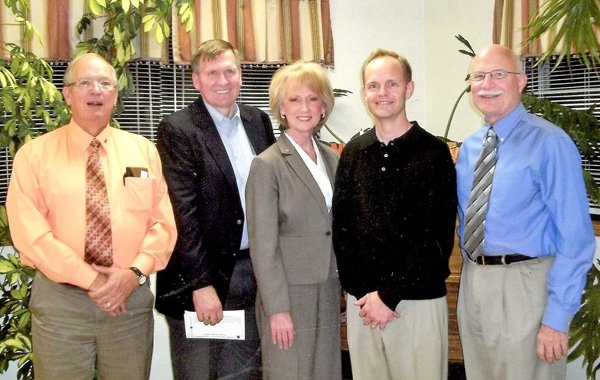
pixel 28 99
pixel 27 94
pixel 584 334
pixel 337 92
pixel 123 20
pixel 574 24
pixel 15 318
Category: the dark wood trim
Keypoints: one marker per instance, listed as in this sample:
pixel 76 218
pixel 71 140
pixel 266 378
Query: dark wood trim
pixel 596 225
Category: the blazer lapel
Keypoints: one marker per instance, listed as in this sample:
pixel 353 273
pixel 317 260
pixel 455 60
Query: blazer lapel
pixel 212 141
pixel 299 167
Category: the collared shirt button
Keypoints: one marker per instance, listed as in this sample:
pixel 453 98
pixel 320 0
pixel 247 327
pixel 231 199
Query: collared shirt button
pixel 328 233
pixel 385 155
pixel 239 222
pixel 383 168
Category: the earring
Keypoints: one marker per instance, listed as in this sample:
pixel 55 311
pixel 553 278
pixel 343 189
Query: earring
pixel 283 116
pixel 323 115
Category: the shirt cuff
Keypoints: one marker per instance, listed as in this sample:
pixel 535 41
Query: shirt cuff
pixel 390 299
pixel 83 276
pixel 145 263
pixel 557 319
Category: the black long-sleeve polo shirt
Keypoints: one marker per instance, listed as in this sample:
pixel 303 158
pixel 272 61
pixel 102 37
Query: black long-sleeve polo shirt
pixel 394 214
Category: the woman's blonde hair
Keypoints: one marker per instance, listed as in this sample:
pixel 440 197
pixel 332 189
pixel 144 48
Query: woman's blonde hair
pixel 295 75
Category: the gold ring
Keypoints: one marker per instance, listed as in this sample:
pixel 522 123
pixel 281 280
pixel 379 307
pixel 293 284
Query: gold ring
pixel 108 304
pixel 373 326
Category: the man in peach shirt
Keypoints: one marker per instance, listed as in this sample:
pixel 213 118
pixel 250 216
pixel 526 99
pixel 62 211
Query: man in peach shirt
pixel 88 317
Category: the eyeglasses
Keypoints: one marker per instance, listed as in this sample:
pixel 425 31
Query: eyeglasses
pixel 86 84
pixel 478 76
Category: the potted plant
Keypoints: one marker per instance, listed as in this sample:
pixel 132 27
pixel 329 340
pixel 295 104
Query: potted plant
pixel 27 96
pixel 27 93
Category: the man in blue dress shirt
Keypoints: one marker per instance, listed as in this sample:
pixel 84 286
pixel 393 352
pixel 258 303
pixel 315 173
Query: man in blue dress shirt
pixel 516 302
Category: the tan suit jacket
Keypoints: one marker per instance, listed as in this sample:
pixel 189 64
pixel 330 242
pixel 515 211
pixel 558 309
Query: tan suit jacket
pixel 288 223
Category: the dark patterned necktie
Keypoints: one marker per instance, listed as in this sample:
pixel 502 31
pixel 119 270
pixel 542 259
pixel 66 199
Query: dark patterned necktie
pixel 480 195
pixel 98 236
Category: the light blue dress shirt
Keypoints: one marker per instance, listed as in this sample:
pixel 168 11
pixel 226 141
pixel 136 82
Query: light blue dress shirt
pixel 240 152
pixel 538 205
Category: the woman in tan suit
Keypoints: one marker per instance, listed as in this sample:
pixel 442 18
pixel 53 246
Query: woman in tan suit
pixel 288 200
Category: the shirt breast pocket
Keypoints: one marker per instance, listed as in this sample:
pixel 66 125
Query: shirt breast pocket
pixel 137 193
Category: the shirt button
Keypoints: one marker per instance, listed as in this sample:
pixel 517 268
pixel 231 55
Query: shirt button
pixel 385 155
pixel 239 221
pixel 328 233
pixel 383 169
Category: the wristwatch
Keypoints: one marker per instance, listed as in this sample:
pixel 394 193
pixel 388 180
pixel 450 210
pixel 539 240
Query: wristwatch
pixel 142 278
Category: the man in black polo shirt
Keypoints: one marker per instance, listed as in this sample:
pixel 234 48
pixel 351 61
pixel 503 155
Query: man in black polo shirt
pixel 394 209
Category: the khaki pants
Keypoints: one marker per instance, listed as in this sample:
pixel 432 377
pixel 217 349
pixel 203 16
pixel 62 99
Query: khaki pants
pixel 499 312
pixel 412 347
pixel 72 336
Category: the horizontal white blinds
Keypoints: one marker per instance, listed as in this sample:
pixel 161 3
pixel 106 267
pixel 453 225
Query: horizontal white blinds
pixel 160 89
pixel 576 87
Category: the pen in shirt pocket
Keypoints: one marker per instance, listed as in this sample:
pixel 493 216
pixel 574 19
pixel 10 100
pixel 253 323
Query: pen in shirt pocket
pixel 137 172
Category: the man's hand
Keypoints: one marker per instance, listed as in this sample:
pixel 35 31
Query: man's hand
pixel 374 312
pixel 112 287
pixel 282 329
pixel 551 344
pixel 207 305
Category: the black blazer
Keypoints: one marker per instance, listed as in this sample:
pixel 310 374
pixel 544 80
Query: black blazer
pixel 206 202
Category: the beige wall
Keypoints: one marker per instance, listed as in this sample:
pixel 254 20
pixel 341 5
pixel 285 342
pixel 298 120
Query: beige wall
pixel 423 31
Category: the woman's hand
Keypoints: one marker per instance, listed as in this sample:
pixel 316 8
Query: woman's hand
pixel 282 329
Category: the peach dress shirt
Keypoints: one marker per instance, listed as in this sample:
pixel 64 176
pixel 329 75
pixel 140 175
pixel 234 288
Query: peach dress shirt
pixel 46 204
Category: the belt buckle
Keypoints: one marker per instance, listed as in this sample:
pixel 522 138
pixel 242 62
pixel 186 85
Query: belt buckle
pixel 503 260
pixel 483 260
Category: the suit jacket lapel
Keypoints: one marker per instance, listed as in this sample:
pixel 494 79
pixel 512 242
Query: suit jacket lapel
pixel 299 167
pixel 249 123
pixel 213 142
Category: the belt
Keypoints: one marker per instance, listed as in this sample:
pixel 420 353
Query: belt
pixel 501 260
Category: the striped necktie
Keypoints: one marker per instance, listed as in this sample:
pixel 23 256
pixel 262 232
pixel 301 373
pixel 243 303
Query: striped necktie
pixel 98 236
pixel 480 195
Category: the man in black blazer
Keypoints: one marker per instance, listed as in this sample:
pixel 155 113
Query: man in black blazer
pixel 206 150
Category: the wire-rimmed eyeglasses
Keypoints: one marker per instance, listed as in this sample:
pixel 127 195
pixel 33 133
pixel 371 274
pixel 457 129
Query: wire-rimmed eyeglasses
pixel 86 84
pixel 478 76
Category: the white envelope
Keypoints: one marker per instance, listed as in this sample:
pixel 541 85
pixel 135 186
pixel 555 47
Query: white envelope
pixel 232 326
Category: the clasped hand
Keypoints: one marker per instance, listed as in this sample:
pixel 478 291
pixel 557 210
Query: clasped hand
pixel 111 288
pixel 374 312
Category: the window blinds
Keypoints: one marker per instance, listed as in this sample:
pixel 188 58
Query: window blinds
pixel 576 87
pixel 160 89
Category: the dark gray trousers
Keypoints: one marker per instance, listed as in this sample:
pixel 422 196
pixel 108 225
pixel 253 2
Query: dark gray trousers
pixel 204 359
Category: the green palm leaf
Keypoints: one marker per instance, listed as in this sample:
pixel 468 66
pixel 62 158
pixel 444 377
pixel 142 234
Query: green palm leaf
pixel 571 24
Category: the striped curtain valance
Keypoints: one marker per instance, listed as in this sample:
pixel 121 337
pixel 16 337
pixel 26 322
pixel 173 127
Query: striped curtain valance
pixel 262 30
